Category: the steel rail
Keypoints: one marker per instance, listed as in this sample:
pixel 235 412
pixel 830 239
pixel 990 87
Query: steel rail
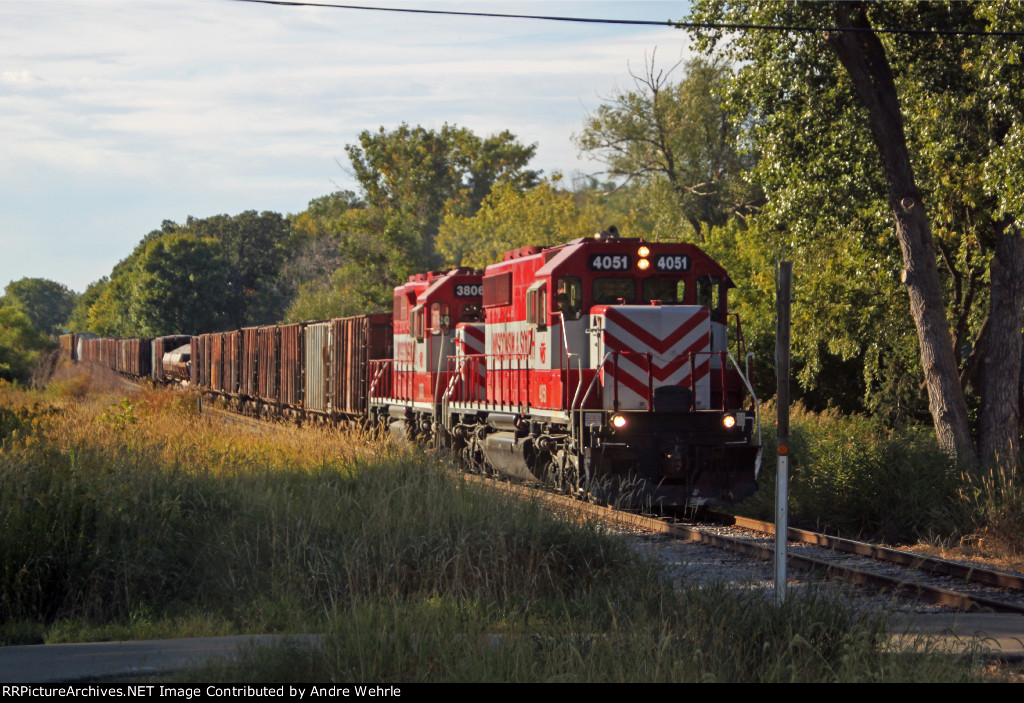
pixel 936 565
pixel 934 594
pixel 953 599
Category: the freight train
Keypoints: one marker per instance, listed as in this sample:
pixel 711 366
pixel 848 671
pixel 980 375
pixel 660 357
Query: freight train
pixel 602 367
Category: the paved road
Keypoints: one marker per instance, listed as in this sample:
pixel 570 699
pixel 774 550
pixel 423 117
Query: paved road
pixel 53 663
pixel 1000 635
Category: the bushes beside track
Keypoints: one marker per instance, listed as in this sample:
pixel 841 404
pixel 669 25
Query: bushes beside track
pixel 854 476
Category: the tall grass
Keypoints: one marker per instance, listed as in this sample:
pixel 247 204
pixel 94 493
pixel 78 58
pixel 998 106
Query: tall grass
pixel 134 516
pixel 995 496
pixel 143 504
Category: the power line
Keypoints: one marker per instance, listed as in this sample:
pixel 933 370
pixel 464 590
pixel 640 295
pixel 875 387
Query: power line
pixel 667 23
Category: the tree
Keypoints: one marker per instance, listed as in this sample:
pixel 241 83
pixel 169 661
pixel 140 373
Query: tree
pixel 510 218
pixel 46 303
pixel 19 344
pixel 178 279
pixel 892 99
pixel 254 247
pixel 79 321
pixel 411 177
pixel 679 134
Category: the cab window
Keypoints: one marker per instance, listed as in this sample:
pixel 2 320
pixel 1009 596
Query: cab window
pixel 472 313
pixel 536 307
pixel 668 291
pixel 569 297
pixel 709 294
pixel 440 317
pixel 608 291
pixel 416 323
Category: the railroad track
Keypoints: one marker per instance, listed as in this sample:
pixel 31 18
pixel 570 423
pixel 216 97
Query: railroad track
pixel 950 584
pixel 947 583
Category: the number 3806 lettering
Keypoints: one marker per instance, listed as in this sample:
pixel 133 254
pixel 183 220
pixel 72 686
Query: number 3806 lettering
pixel 469 290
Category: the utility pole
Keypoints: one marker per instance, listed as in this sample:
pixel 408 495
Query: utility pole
pixel 783 290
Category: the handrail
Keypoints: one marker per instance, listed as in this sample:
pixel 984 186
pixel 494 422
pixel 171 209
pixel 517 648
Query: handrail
pixel 381 365
pixel 454 377
pixel 590 387
pixel 757 411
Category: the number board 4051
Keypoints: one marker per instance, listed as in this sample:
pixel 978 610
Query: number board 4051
pixel 609 262
pixel 672 262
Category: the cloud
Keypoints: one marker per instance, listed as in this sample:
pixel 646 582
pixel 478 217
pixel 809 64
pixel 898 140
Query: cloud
pixel 165 109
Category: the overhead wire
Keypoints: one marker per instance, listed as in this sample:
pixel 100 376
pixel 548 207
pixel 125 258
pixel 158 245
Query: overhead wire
pixel 674 24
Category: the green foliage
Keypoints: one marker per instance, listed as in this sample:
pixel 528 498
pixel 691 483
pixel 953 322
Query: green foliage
pixel 677 134
pixel 206 275
pixel 79 320
pixel 120 416
pixel 254 247
pixel 510 218
pixel 856 476
pixel 828 205
pixel 47 303
pixel 181 282
pixel 411 179
pixel 20 344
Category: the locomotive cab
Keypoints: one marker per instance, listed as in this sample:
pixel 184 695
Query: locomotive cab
pixel 429 308
pixel 596 332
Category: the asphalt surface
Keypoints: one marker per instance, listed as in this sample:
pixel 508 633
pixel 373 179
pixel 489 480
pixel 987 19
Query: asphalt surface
pixel 65 663
pixel 996 635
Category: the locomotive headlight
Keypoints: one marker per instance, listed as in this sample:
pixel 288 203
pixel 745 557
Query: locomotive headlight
pixel 643 264
pixel 618 421
pixel 729 421
pixel 643 252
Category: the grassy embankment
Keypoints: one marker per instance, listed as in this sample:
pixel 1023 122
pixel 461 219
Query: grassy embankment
pixel 131 516
pixel 857 477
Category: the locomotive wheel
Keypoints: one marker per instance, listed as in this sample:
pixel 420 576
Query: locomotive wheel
pixel 564 474
pixel 473 460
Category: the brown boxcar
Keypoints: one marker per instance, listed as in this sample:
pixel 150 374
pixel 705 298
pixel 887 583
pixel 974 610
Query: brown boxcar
pixel 291 364
pixel 356 341
pixel 67 347
pixel 232 360
pixel 206 376
pixel 217 361
pixel 249 369
pixel 269 339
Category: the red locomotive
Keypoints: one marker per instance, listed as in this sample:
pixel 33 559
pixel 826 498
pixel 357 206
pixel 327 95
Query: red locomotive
pixel 599 366
pixel 604 367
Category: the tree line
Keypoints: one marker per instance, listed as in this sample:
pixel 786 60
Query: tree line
pixel 889 167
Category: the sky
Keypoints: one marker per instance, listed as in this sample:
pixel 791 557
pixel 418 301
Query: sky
pixel 116 115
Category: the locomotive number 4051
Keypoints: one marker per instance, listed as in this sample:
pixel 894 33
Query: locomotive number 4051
pixel 609 262
pixel 672 263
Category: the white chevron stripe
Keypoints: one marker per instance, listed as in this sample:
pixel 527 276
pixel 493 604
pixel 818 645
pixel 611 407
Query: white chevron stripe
pixel 661 323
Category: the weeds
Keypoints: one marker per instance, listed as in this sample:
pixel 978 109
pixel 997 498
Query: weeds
pixel 181 527
pixel 996 497
pixel 853 476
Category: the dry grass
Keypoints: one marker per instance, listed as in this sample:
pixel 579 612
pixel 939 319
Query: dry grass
pixel 135 516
